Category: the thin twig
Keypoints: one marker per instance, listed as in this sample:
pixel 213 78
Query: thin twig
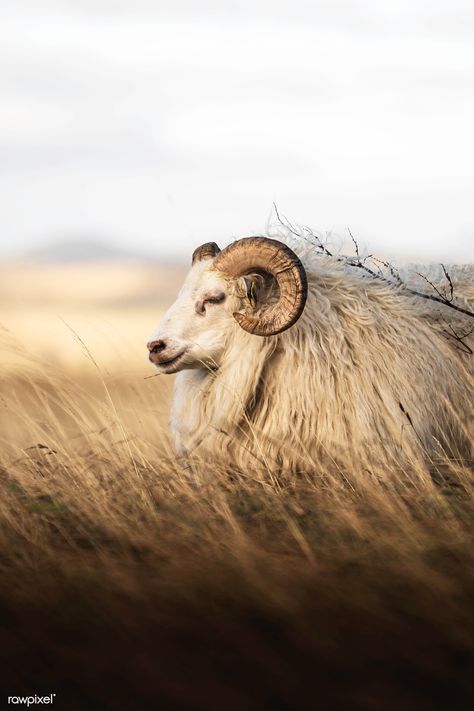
pixel 439 298
pixel 451 287
pixel 459 338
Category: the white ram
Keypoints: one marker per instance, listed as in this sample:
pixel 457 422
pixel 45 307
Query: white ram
pixel 285 357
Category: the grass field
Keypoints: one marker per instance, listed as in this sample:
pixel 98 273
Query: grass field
pixel 127 583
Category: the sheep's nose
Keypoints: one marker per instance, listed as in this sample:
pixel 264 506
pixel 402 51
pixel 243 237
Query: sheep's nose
pixel 156 346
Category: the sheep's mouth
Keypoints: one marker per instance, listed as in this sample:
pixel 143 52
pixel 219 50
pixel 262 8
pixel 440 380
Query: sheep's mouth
pixel 171 362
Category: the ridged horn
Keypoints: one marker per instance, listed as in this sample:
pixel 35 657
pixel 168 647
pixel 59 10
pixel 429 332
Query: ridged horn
pixel 205 251
pixel 273 257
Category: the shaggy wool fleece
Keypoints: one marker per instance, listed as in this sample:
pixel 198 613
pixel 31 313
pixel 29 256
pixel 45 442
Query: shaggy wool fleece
pixel 366 375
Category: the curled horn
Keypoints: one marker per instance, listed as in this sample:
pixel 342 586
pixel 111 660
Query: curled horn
pixel 205 251
pixel 272 257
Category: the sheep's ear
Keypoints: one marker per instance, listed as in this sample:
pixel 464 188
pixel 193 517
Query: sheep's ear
pixel 251 286
pixel 251 290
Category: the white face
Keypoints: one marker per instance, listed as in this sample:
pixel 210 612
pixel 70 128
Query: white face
pixel 193 332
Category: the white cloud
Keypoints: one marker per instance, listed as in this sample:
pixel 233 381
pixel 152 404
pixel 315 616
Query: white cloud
pixel 137 119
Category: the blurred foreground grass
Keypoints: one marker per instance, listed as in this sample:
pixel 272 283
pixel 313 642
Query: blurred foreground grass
pixel 127 583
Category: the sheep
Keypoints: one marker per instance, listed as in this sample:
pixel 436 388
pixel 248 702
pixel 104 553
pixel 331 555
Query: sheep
pixel 286 358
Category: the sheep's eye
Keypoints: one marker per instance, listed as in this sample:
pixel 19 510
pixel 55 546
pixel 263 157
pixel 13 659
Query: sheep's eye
pixel 218 299
pixel 200 306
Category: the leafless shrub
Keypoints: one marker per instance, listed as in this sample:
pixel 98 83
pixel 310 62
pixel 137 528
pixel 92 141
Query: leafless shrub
pixel 444 294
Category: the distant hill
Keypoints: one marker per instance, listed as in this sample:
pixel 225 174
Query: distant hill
pixel 83 250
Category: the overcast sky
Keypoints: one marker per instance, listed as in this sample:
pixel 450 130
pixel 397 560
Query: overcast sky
pixel 160 125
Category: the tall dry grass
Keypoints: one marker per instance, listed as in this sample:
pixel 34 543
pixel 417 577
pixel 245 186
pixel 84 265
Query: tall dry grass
pixel 128 582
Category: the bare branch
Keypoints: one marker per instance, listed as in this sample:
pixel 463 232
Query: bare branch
pixel 356 246
pixel 451 287
pixel 459 338
pixel 393 270
pixel 433 286
pixel 285 222
pixel 317 241
pixel 439 297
